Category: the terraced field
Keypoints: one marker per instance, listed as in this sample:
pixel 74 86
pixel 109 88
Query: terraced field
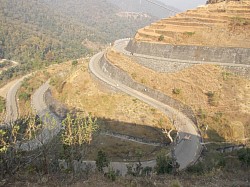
pixel 224 24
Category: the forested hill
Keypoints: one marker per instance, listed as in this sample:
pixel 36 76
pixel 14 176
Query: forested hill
pixel 38 32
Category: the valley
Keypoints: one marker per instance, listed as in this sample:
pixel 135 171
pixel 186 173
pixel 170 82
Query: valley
pixel 153 110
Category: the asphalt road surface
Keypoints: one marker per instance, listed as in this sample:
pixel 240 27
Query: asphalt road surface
pixel 51 123
pixel 11 103
pixel 187 149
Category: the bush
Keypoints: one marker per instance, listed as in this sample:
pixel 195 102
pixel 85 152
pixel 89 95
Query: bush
pixel 212 98
pixel 201 114
pixel 239 21
pixel 101 161
pixel 24 96
pixel 161 38
pixel 163 164
pixel 176 91
pixel 189 33
pixel 74 63
pixel 198 168
pixel 111 174
pixel 2 104
pixel 244 156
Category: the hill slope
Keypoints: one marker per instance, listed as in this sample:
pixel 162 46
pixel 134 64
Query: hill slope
pixel 43 32
pixel 224 24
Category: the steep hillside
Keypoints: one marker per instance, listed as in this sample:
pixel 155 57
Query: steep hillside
pixel 154 8
pixel 42 32
pixel 33 32
pixel 219 99
pixel 224 24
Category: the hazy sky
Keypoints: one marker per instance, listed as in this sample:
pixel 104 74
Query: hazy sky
pixel 184 4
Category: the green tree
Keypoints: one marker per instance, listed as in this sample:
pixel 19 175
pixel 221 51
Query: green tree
pixel 163 164
pixel 101 160
pixel 244 156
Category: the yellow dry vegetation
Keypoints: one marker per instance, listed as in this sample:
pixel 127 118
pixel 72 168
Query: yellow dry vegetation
pixel 220 99
pixel 225 24
pixel 81 92
pixel 33 82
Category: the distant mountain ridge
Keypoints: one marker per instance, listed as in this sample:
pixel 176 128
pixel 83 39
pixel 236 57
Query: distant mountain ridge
pixel 149 7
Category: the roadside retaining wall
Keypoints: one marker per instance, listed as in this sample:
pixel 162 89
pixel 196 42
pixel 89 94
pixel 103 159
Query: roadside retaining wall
pixel 121 76
pixel 192 53
pixel 172 65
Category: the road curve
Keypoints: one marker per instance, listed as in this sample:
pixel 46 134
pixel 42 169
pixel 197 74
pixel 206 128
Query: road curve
pixel 11 103
pixel 51 123
pixel 188 148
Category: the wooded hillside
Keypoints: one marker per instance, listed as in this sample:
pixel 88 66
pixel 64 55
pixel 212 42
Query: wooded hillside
pixel 44 32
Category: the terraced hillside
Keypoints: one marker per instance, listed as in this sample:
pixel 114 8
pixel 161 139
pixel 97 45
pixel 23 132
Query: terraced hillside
pixel 224 24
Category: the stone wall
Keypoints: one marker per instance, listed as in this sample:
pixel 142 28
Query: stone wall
pixel 192 53
pixel 121 76
pixel 172 65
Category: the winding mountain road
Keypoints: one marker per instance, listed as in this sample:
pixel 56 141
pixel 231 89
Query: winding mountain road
pixel 188 147
pixel 11 103
pixel 51 123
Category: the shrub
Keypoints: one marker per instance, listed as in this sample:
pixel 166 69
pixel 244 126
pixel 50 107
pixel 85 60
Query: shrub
pixel 2 104
pixel 24 96
pixel 163 164
pixel 239 21
pixel 201 114
pixel 161 38
pixel 197 168
pixel 101 161
pixel 212 98
pixel 176 91
pixel 133 75
pixel 111 174
pixel 74 63
pixel 189 33
pixel 244 156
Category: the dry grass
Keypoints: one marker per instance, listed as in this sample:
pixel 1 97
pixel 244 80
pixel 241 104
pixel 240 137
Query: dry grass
pixel 33 82
pixel 121 150
pixel 232 28
pixel 81 92
pixel 231 94
pixel 116 112
pixel 29 86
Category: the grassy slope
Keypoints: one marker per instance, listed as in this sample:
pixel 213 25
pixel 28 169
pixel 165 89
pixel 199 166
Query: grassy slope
pixel 227 116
